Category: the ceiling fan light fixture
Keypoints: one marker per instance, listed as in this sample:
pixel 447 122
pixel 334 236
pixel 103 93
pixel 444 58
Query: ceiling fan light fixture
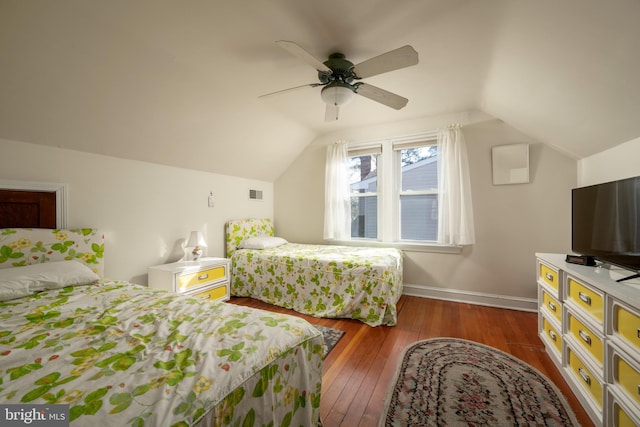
pixel 336 95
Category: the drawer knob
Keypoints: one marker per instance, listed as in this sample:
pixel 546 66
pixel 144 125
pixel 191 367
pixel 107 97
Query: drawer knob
pixel 638 332
pixel 206 296
pixel 584 298
pixel 203 276
pixel 552 306
pixel 585 376
pixel 552 335
pixel 549 276
pixel 585 337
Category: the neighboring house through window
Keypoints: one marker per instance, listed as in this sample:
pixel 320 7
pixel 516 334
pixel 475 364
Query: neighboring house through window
pixel 394 190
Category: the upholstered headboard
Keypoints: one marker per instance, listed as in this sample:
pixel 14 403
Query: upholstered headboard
pixel 241 229
pixel 25 246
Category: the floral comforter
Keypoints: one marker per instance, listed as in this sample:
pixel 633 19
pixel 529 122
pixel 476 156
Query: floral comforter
pixel 120 354
pixel 323 280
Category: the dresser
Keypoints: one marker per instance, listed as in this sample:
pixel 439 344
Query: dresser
pixel 590 326
pixel 205 278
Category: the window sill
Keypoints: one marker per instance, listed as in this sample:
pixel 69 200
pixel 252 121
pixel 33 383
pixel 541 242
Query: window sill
pixel 404 246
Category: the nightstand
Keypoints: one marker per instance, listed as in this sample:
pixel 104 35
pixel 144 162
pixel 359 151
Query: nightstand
pixel 206 278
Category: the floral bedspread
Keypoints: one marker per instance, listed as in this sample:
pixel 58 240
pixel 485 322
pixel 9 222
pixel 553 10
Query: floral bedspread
pixel 120 354
pixel 323 280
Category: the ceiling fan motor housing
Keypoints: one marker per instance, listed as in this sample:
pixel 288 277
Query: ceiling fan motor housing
pixel 341 67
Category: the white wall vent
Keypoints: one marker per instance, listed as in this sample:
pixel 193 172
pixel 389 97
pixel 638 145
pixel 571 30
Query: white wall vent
pixel 255 194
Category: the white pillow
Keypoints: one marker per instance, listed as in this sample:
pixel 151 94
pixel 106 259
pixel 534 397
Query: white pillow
pixel 18 282
pixel 262 242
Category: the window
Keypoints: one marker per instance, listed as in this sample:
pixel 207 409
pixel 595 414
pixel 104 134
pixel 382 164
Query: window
pixel 418 195
pixel 363 179
pixel 394 191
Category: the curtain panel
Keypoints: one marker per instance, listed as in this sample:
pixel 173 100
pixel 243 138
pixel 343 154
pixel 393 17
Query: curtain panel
pixel 337 202
pixel 455 209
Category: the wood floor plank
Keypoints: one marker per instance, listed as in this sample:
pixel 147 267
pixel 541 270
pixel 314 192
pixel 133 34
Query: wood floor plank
pixel 360 370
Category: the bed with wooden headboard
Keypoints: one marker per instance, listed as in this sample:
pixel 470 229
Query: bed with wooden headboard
pixel 121 354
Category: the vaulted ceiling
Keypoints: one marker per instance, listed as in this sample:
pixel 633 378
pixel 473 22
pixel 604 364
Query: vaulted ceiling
pixel 178 82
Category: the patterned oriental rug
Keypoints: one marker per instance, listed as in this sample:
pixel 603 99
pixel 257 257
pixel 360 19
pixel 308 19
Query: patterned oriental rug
pixel 452 382
pixel 331 337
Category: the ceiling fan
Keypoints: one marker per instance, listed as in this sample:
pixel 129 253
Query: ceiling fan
pixel 339 77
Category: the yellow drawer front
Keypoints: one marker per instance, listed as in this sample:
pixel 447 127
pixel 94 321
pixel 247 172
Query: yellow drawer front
pixel 193 280
pixel 621 419
pixel 213 294
pixel 549 276
pixel 627 377
pixel 627 324
pixel 552 305
pixel 585 298
pixel 587 338
pixel 585 377
pixel 553 334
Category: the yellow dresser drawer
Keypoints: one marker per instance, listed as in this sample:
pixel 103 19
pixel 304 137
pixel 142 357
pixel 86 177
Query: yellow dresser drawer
pixel 619 414
pixel 193 280
pixel 627 324
pixel 549 276
pixel 627 376
pixel 621 418
pixel 552 305
pixel 214 294
pixel 589 340
pixel 585 377
pixel 553 335
pixel 587 299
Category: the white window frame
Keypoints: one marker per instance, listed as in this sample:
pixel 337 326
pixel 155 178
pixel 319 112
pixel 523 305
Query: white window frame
pixel 397 147
pixel 389 192
pixel 370 149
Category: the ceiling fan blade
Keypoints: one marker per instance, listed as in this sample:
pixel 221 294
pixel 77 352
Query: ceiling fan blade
pixel 402 57
pixel 331 113
pixel 290 89
pixel 382 96
pixel 296 50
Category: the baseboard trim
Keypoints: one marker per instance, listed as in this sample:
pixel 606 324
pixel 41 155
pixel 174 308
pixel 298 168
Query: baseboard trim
pixel 470 297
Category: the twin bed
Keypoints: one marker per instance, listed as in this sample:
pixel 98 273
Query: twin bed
pixel 320 280
pixel 121 354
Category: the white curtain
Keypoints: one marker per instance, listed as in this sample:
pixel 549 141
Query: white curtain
pixel 455 210
pixel 337 201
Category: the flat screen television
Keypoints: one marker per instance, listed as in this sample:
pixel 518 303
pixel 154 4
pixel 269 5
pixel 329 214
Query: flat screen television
pixel 605 222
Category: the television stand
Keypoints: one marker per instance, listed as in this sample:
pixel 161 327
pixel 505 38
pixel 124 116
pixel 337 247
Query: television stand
pixel 633 276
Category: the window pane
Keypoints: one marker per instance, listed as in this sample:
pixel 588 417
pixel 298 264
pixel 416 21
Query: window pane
pixel 363 173
pixel 419 168
pixel 419 217
pixel 364 217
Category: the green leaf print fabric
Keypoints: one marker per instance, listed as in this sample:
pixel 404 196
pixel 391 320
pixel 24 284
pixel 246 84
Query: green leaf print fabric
pixel 124 355
pixel 26 246
pixel 323 280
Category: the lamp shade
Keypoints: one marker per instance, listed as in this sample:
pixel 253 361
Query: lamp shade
pixel 196 239
pixel 336 94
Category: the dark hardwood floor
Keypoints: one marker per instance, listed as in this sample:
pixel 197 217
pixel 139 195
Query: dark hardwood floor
pixel 359 370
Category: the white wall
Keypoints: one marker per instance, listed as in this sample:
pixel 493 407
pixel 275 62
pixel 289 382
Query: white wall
pixel 145 210
pixel 616 163
pixel 512 221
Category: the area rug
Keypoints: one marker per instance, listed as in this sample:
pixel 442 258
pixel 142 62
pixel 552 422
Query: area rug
pixel 453 382
pixel 331 337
